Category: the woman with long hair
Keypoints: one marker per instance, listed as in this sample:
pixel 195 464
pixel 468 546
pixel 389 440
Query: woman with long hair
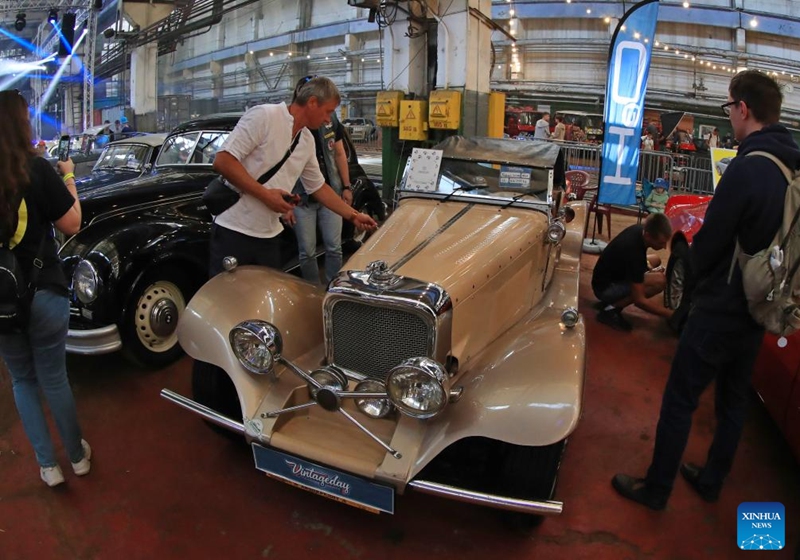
pixel 33 199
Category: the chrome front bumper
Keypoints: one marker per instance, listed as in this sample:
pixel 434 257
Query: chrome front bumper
pixel 442 490
pixel 93 342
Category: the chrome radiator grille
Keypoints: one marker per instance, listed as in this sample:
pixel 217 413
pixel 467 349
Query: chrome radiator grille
pixel 372 339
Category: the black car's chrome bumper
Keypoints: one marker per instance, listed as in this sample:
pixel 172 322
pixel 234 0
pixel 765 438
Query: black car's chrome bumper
pixel 92 342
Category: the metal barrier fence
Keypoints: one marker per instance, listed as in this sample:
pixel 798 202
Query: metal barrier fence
pixel 684 172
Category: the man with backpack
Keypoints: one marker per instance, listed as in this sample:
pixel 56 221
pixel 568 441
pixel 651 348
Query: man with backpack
pixel 721 339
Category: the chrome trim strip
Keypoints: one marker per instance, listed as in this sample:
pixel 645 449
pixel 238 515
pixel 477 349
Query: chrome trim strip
pixel 93 342
pixel 416 250
pixel 206 413
pixel 538 205
pixel 490 500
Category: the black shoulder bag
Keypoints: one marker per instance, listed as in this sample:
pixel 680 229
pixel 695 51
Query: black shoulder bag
pixel 219 196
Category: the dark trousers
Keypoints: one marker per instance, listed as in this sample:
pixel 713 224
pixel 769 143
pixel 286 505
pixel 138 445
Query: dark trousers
pixel 704 355
pixel 246 249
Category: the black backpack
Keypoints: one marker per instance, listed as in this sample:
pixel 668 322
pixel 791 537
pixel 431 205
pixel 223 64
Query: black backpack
pixel 17 288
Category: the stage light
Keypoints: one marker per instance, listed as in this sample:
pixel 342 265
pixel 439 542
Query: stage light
pixel 20 22
pixel 52 16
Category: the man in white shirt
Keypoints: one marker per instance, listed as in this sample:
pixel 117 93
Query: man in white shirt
pixel 542 128
pixel 249 229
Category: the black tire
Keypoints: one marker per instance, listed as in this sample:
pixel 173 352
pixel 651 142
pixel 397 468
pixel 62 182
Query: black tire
pixel 679 283
pixel 150 318
pixel 530 473
pixel 212 387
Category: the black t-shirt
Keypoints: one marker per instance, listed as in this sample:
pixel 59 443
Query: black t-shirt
pixel 46 200
pixel 623 260
pixel 324 138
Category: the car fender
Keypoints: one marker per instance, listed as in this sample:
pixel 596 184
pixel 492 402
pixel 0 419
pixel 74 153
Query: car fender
pixel 251 292
pixel 122 254
pixel 526 388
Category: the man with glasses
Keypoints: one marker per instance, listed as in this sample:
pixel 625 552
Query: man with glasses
pixel 720 341
pixel 264 135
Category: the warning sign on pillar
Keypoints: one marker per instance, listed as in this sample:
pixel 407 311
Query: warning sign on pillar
pixel 445 109
pixel 412 120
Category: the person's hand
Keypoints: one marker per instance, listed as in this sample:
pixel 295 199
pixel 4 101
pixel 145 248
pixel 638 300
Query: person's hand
pixel 363 222
pixel 289 218
pixel 65 167
pixel 347 196
pixel 276 202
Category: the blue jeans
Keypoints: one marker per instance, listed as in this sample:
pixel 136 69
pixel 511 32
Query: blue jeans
pixel 703 356
pixel 330 226
pixel 37 359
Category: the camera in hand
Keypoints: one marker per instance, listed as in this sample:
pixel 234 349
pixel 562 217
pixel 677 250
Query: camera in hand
pixel 293 199
pixel 63 148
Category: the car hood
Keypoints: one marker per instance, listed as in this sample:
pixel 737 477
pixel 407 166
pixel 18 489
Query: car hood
pixel 472 251
pixel 103 178
pixel 159 186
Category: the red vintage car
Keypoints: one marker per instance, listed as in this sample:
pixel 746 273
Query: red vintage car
pixel 776 377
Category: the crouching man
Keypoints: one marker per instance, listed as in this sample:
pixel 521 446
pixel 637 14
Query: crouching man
pixel 625 274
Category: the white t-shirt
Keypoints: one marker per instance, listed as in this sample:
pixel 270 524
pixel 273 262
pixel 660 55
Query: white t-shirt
pixel 542 129
pixel 260 140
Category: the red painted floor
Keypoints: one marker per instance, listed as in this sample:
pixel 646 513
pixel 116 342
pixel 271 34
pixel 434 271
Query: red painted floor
pixel 164 486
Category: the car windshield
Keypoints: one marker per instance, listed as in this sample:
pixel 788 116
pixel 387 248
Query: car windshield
pixel 485 180
pixel 128 157
pixel 594 121
pixel 191 148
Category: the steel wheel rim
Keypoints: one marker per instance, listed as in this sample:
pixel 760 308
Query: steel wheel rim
pixel 676 283
pixel 156 317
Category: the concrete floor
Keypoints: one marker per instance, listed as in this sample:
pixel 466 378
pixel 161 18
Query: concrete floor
pixel 164 486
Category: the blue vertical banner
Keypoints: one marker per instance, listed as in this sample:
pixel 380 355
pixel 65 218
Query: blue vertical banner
pixel 628 66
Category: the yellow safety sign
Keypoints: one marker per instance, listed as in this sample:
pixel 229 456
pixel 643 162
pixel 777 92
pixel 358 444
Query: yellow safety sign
pixel 436 111
pixel 383 111
pixel 411 115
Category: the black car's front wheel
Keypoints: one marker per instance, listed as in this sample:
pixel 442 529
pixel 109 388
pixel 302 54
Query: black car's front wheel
pixel 150 320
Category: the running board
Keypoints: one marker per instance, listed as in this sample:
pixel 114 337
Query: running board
pixel 206 413
pixel 488 500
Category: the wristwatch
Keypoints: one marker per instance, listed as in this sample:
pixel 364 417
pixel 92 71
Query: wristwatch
pixel 346 188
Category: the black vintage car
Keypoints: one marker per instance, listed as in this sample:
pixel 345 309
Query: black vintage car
pixel 143 249
pixel 123 160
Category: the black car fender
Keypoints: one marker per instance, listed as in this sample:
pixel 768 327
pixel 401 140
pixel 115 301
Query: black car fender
pixel 123 255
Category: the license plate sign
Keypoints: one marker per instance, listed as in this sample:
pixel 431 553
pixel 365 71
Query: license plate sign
pixel 325 481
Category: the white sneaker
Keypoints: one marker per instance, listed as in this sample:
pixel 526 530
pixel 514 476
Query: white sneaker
pixel 83 466
pixel 52 476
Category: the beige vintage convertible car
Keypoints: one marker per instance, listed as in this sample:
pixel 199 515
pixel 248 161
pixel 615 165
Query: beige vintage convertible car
pixel 447 357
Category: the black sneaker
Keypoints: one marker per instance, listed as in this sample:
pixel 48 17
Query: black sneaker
pixel 692 473
pixel 614 319
pixel 636 489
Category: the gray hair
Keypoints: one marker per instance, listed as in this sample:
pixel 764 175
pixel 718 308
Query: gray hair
pixel 321 88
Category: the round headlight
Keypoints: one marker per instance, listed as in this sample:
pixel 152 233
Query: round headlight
pixel 257 345
pixel 328 376
pixel 556 232
pixel 372 407
pixel 84 281
pixel 418 387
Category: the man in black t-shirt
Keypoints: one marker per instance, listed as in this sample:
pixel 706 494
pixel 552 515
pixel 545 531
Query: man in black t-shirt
pixel 625 274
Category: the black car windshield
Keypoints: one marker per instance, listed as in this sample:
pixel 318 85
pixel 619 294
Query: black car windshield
pixel 191 148
pixel 123 157
pixel 486 180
